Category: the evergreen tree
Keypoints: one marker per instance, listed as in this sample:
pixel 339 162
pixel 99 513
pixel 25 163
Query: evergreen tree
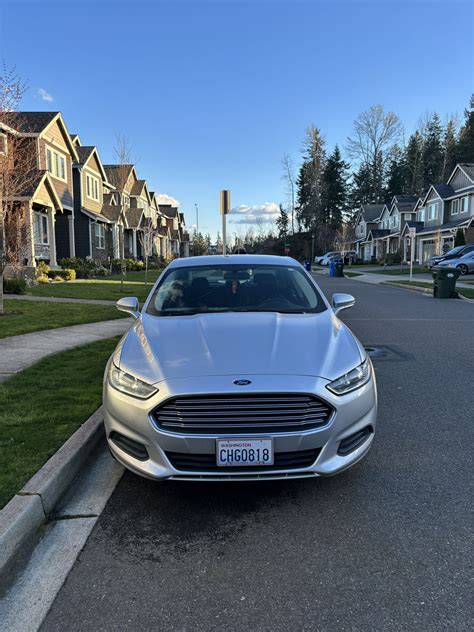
pixel 218 243
pixel 414 164
pixel 335 189
pixel 310 181
pixel 397 176
pixel 450 149
pixel 361 190
pixel 433 151
pixel 460 238
pixel 282 223
pixel 465 148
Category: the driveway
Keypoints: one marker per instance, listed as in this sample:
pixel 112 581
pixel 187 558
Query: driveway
pixel 384 546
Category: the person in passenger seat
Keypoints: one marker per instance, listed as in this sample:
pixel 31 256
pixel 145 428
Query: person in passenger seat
pixel 234 295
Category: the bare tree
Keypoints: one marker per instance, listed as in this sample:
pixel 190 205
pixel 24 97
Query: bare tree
pixel 290 180
pixel 122 153
pixel 375 131
pixel 17 174
pixel 147 236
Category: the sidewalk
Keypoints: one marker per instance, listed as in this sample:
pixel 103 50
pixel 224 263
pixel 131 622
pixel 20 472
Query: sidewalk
pixel 20 352
pixel 368 277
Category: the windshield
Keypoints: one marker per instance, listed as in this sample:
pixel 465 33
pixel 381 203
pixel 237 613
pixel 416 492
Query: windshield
pixel 235 288
pixel 454 251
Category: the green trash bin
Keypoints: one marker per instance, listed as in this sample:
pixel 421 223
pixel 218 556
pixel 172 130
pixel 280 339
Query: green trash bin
pixel 339 269
pixel 444 281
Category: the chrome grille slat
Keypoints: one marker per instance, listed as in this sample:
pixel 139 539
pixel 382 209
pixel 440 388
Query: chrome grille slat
pixel 243 413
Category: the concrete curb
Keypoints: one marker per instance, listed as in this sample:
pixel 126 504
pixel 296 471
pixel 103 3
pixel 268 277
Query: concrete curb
pixel 464 298
pixel 413 288
pixel 30 508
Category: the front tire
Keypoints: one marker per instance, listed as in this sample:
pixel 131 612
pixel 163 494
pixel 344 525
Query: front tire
pixel 463 269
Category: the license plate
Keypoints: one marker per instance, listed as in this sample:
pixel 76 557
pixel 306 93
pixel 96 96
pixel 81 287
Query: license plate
pixel 238 452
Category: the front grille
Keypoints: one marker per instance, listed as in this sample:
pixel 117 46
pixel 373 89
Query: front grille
pixel 207 462
pixel 242 414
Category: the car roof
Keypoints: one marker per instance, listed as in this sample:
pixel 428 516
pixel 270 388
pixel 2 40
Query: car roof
pixel 247 260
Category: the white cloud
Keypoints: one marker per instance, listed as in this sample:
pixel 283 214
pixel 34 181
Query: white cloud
pixel 44 95
pixel 256 214
pixel 163 198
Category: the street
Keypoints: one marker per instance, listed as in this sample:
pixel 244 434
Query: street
pixel 384 546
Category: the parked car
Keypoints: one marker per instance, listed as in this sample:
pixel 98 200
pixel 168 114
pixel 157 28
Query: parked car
pixel 454 253
pixel 326 259
pixel 464 264
pixel 350 257
pixel 237 368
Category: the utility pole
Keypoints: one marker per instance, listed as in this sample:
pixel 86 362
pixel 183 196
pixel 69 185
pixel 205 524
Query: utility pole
pixel 225 207
pixel 197 218
pixel 312 249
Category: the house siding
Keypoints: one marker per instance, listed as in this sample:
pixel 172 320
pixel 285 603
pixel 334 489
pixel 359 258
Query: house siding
pixel 81 230
pixel 460 181
pixel 53 137
pixel 87 202
pixel 62 236
pixel 101 255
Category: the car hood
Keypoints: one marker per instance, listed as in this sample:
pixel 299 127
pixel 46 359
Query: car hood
pixel 240 344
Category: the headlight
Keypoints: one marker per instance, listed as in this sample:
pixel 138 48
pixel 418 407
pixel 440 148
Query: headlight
pixel 352 380
pixel 129 384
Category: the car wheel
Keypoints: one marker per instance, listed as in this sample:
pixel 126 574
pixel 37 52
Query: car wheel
pixel 463 268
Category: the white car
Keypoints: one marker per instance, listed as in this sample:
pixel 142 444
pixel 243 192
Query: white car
pixel 326 259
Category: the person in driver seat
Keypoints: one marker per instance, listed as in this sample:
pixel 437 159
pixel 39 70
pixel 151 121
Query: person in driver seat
pixel 175 297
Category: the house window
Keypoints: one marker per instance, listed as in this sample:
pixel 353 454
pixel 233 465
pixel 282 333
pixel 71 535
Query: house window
pixel 3 144
pixel 56 164
pixel 432 211
pixel 465 204
pixel 421 215
pixel 40 225
pixel 126 200
pixel 100 236
pixel 92 187
pixel 454 207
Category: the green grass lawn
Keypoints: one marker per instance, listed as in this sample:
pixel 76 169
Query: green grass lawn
pixel 43 406
pixel 396 270
pixel 101 290
pixel 139 276
pixel 24 317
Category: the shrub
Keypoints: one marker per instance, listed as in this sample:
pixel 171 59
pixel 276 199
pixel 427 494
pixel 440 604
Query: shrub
pixel 101 271
pixel 85 268
pixel 57 278
pixel 64 275
pixel 42 278
pixel 42 269
pixel 14 286
pixel 134 264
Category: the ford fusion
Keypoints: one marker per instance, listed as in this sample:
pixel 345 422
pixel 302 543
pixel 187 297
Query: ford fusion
pixel 238 368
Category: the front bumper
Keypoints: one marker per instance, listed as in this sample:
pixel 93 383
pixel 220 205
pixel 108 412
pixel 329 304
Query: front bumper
pixel 132 419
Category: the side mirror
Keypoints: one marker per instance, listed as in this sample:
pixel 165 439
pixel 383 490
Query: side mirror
pixel 129 305
pixel 342 301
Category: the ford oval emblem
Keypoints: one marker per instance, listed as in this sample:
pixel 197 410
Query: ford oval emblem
pixel 242 382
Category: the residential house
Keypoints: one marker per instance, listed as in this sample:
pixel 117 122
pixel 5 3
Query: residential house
pixel 387 237
pixel 184 236
pixel 444 209
pixel 46 198
pixel 366 220
pixel 171 216
pixel 94 226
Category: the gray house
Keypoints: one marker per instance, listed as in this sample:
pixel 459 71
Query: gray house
pixel 366 220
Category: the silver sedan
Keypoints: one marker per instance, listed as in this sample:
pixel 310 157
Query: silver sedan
pixel 238 368
pixel 464 264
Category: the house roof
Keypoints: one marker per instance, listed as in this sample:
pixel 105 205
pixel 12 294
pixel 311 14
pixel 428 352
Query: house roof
pixel 377 233
pixel 137 187
pixel 412 224
pixel 405 199
pixel 134 216
pixel 118 174
pixel 447 226
pixel 33 180
pixel 371 211
pixel 84 154
pixel 168 210
pixel 29 122
pixel 97 217
pixel 111 212
pixel 443 190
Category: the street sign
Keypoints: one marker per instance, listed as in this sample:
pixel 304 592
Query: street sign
pixel 412 232
pixel 225 202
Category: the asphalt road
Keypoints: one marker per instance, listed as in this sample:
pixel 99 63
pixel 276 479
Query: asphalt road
pixel 385 546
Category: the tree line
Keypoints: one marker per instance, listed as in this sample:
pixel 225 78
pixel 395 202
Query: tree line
pixel 326 190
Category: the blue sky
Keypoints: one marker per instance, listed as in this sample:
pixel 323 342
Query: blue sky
pixel 212 94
